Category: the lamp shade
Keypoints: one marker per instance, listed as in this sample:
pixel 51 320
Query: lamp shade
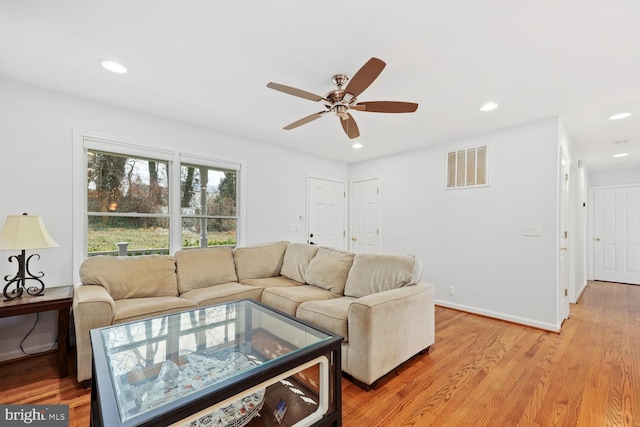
pixel 25 232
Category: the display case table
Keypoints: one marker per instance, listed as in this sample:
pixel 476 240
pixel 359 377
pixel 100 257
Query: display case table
pixel 233 364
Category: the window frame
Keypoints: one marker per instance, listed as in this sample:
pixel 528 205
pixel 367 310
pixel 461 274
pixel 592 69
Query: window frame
pixel 83 141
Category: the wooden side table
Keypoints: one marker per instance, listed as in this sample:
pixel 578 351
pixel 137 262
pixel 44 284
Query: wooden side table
pixel 59 299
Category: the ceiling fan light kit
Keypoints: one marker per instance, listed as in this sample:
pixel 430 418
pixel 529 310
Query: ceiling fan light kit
pixel 343 99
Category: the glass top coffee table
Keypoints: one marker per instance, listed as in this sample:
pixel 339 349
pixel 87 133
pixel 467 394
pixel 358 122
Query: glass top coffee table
pixel 233 364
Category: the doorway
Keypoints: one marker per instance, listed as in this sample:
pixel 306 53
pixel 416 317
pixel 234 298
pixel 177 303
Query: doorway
pixel 365 216
pixel 326 213
pixel 563 259
pixel 616 233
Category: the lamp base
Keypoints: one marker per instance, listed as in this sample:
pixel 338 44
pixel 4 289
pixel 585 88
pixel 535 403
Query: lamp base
pixel 19 280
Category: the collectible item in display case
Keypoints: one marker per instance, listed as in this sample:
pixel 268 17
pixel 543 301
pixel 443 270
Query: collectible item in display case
pixel 175 381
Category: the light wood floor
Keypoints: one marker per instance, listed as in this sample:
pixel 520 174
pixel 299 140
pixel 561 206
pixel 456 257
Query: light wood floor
pixel 480 372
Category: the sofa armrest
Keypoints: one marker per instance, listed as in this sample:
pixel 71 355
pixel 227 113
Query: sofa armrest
pixel 93 307
pixel 388 328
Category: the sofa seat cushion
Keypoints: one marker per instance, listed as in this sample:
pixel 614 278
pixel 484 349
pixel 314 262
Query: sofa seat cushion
pixel 374 273
pixel 289 298
pixel 329 269
pixel 269 282
pixel 132 276
pixel 329 314
pixel 296 260
pixel 131 309
pixel 201 268
pixel 253 262
pixel 225 292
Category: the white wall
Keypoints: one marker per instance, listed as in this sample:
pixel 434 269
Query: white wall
pixel 36 131
pixel 472 238
pixel 615 177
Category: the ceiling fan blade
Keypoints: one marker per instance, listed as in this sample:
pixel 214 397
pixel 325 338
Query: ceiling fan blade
pixel 365 76
pixel 387 107
pixel 295 92
pixel 350 127
pixel 305 120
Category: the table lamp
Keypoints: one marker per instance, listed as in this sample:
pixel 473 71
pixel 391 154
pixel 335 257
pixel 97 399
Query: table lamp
pixel 22 232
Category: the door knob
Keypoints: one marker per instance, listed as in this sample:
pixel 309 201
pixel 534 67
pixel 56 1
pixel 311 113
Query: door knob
pixel 353 239
pixel 597 239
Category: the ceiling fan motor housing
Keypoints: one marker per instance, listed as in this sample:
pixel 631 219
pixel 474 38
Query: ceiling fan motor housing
pixel 335 96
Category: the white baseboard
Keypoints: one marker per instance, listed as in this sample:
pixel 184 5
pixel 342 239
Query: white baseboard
pixel 500 316
pixel 581 291
pixel 16 354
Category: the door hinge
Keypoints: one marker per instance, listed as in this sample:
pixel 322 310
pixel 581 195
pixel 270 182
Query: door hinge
pixel 344 233
pixel 566 234
pixel 377 231
pixel 566 177
pixel 566 293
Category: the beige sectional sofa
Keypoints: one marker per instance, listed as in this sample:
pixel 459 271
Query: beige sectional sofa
pixel 375 301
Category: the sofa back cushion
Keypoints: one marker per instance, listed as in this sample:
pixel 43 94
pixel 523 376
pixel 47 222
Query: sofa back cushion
pixel 373 273
pixel 296 260
pixel 132 276
pixel 256 262
pixel 329 269
pixel 201 268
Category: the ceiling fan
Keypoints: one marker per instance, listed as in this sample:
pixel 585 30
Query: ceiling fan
pixel 339 101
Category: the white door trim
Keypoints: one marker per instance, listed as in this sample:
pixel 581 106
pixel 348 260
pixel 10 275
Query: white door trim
pixel 564 274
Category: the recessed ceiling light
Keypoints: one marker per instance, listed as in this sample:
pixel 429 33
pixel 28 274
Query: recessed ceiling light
pixel 114 66
pixel 621 155
pixel 357 145
pixel 619 116
pixel 489 106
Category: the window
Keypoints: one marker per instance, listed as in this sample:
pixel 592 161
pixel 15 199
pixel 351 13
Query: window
pixel 208 206
pixel 467 167
pixel 127 204
pixel 141 200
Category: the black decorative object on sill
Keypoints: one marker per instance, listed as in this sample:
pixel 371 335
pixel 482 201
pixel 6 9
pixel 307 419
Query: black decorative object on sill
pixel 22 232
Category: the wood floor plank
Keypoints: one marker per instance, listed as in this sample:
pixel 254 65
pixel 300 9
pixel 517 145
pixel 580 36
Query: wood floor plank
pixel 479 372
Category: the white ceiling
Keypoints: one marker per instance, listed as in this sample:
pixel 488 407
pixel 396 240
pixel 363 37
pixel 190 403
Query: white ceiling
pixel 207 62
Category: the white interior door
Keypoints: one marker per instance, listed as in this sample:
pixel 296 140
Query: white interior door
pixel 326 217
pixel 365 216
pixel 617 234
pixel 563 259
